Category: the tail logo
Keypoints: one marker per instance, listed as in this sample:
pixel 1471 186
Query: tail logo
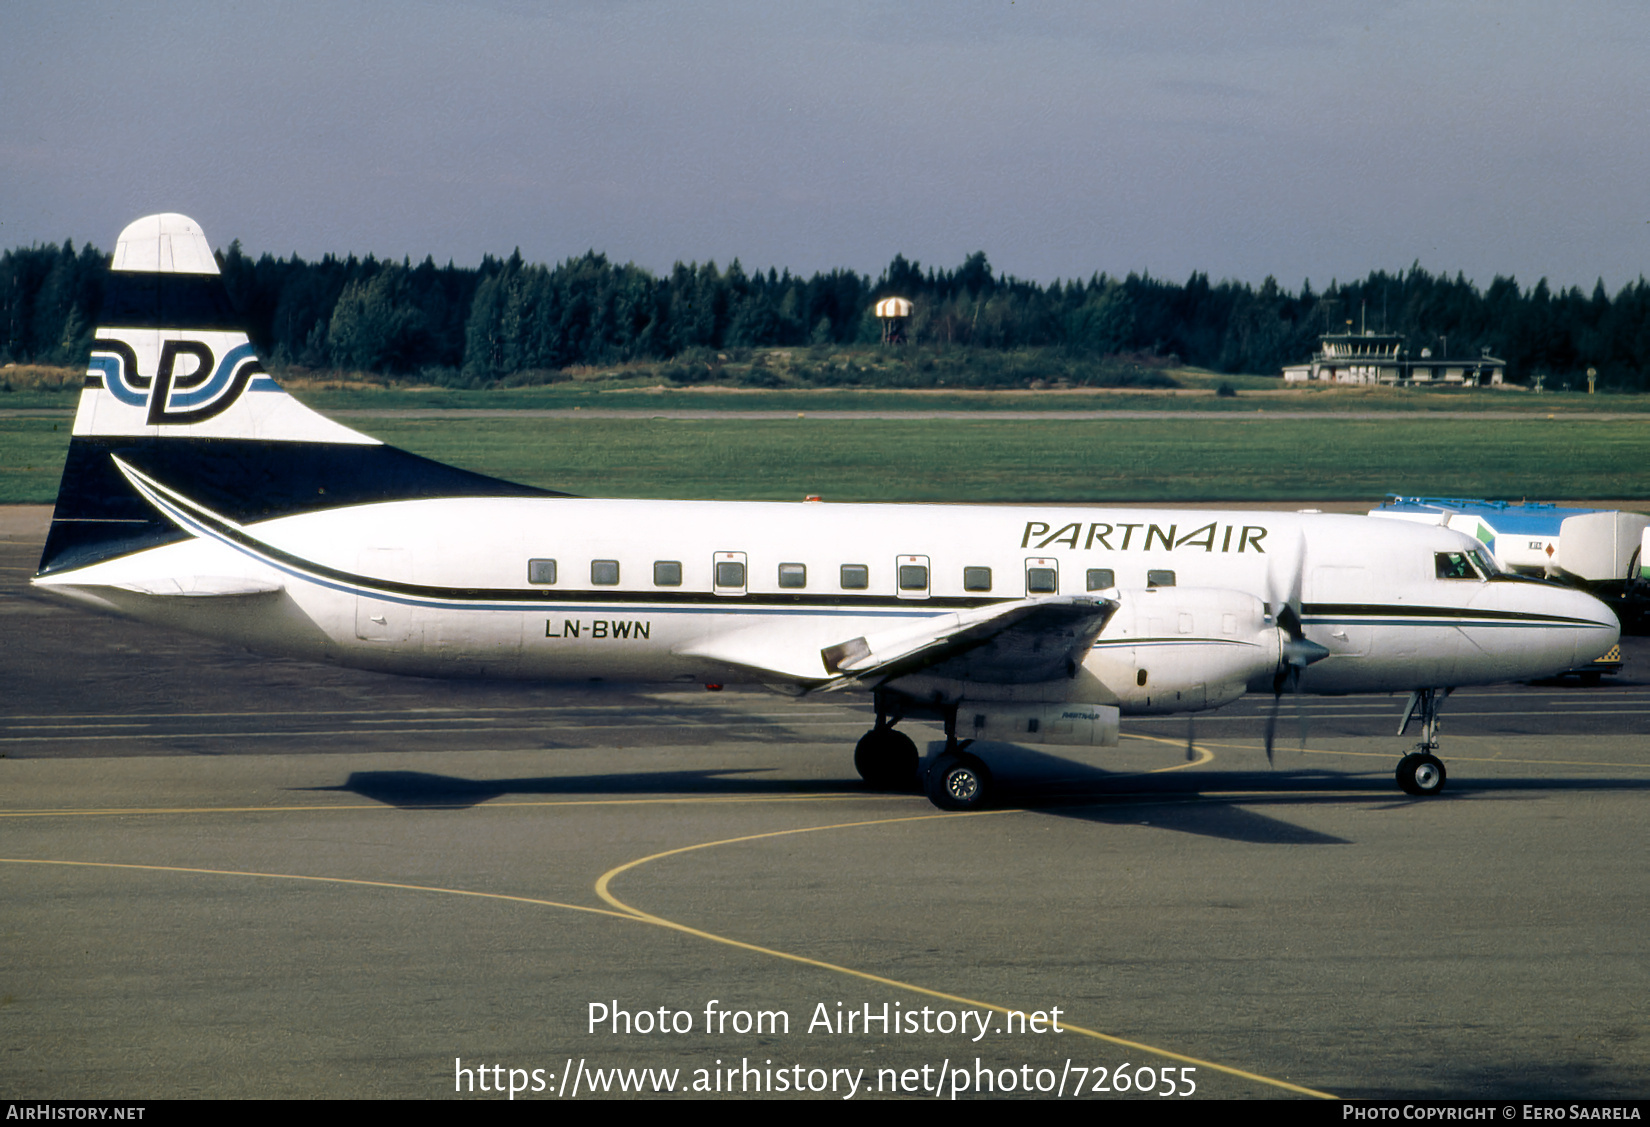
pixel 204 388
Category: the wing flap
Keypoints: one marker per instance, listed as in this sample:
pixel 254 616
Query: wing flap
pixel 1012 642
pixel 1007 643
pixel 774 652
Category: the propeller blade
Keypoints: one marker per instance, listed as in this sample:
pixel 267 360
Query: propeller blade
pixel 1300 700
pixel 1283 592
pixel 1272 725
pixel 1191 752
pixel 1283 601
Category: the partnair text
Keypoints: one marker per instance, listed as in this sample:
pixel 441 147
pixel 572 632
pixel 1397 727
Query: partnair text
pixel 1210 537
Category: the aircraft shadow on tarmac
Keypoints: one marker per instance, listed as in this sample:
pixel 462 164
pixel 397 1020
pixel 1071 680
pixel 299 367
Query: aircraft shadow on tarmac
pixel 422 790
pixel 1557 1078
pixel 1192 800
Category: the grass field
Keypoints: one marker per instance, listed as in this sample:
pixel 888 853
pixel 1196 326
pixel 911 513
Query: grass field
pixel 1272 398
pixel 40 387
pixel 1176 458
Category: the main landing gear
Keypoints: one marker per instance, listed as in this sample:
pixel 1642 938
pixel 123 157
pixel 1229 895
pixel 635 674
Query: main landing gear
pixel 1421 772
pixel 958 780
pixel 888 760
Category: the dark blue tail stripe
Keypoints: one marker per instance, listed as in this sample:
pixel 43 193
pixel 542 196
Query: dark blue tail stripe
pixel 100 516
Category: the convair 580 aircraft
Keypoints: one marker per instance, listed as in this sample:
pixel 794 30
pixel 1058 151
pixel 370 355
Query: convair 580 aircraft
pixel 198 494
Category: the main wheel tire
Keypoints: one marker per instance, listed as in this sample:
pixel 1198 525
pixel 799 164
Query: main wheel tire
pixel 1421 775
pixel 887 760
pixel 959 781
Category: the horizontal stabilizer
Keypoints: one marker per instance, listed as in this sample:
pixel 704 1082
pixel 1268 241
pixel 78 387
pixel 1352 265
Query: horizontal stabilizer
pixel 202 587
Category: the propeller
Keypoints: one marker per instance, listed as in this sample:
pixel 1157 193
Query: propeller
pixel 1296 652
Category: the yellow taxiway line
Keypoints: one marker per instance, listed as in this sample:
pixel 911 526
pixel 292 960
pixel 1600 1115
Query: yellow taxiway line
pixel 604 890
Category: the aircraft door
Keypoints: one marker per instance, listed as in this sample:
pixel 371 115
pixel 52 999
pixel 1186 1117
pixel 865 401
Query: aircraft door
pixel 381 620
pixel 1042 577
pixel 729 573
pixel 911 577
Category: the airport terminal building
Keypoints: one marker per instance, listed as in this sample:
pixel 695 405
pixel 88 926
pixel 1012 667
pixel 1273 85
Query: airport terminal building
pixel 1380 358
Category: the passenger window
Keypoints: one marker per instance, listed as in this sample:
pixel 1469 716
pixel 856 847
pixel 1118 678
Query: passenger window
pixel 604 573
pixel 976 579
pixel 1160 579
pixel 667 573
pixel 1100 578
pixel 855 577
pixel 1454 565
pixel 729 571
pixel 911 575
pixel 1042 580
pixel 793 575
pixel 541 571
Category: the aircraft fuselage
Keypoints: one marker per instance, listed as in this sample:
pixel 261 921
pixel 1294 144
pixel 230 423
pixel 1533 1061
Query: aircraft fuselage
pixel 572 589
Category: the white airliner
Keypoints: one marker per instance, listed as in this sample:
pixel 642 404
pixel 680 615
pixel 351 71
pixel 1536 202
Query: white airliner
pixel 198 494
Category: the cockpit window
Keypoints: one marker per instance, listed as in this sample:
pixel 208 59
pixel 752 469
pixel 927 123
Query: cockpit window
pixel 1459 565
pixel 1486 563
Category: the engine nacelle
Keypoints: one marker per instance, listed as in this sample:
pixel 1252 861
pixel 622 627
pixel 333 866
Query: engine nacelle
pixel 1165 650
pixel 1183 649
pixel 1084 725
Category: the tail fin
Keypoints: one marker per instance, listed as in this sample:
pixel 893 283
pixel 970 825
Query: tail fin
pixel 176 390
pixel 170 359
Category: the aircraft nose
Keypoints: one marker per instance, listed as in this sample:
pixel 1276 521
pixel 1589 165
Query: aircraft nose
pixel 1542 629
pixel 1594 626
pixel 1603 632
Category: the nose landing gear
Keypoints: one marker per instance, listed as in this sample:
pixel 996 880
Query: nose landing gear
pixel 1421 775
pixel 1421 772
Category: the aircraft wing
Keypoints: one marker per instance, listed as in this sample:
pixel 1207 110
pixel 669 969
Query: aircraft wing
pixel 1007 643
pixel 1010 642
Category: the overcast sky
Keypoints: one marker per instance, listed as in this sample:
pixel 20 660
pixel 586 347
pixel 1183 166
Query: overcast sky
pixel 1318 139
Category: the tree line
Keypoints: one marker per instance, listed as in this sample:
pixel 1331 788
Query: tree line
pixel 506 318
